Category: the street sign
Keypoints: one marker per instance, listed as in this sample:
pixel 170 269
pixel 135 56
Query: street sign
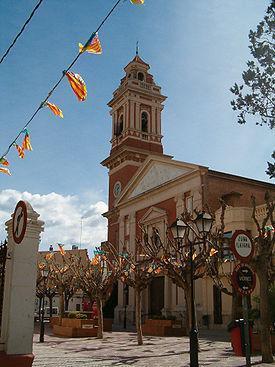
pixel 19 222
pixel 242 245
pixel 243 279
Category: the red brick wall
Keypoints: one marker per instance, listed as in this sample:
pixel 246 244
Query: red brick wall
pixel 218 184
pixel 140 144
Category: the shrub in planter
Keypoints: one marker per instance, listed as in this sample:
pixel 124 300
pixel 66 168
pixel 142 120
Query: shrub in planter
pixel 77 315
pixel 72 315
pixel 81 316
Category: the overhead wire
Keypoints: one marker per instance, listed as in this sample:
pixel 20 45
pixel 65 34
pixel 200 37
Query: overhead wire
pixel 21 31
pixel 60 79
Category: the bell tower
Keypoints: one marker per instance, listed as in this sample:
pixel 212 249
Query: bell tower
pixel 136 126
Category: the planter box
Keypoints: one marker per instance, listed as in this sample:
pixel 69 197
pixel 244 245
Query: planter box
pixel 54 320
pixel 77 328
pixel 163 328
pixel 71 332
pixel 257 342
pixel 76 323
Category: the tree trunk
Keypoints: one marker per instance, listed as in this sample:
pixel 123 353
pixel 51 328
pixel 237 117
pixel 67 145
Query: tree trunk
pixel 61 304
pixel 67 299
pixel 39 310
pixel 100 318
pixel 265 326
pixel 138 316
pixel 51 305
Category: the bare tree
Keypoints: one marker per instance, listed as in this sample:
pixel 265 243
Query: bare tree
pixel 137 272
pixel 173 256
pixel 96 278
pixel 262 263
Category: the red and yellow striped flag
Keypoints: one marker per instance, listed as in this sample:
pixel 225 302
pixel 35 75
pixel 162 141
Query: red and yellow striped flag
pixel 61 249
pixel 4 161
pixel 137 2
pixel 78 85
pixel 20 151
pixel 26 145
pixel 5 170
pixel 93 48
pixel 57 111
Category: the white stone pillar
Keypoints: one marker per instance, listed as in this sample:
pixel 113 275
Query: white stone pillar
pixel 153 120
pixel 20 286
pixel 138 122
pixel 132 117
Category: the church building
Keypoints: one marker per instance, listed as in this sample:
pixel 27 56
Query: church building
pixel 150 188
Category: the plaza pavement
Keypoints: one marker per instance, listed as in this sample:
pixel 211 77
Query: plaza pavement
pixel 119 349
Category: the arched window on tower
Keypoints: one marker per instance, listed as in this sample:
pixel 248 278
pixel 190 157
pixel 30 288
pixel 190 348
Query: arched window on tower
pixel 144 122
pixel 140 76
pixel 120 125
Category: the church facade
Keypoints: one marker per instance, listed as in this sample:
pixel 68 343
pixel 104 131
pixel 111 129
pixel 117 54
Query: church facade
pixel 150 188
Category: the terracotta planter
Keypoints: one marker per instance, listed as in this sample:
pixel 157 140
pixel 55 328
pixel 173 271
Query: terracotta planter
pixel 54 320
pixel 163 328
pixel 77 328
pixel 76 323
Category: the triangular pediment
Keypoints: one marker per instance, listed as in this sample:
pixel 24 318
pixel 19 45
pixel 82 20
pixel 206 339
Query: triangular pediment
pixel 152 214
pixel 155 172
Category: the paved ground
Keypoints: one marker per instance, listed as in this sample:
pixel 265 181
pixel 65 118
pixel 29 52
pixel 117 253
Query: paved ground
pixel 120 349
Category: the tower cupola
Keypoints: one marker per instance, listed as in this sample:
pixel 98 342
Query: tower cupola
pixel 136 109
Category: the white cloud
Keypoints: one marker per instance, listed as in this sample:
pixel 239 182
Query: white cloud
pixel 63 216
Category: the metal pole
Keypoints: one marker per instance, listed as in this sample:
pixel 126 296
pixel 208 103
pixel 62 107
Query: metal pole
pixel 42 326
pixel 193 332
pixel 246 331
pixel 124 324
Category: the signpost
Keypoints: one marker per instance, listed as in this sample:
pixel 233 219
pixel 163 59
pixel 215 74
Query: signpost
pixel 244 279
pixel 19 222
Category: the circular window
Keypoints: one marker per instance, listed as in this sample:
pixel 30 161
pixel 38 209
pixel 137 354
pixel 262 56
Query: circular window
pixel 117 189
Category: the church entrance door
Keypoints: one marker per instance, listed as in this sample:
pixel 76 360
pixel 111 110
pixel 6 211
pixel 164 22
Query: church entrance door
pixel 156 296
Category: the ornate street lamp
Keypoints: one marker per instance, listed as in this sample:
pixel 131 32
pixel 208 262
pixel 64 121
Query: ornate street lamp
pixel 204 223
pixel 44 273
pixel 179 228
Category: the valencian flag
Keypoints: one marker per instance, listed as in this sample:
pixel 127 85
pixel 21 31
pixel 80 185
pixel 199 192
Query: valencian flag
pixel 95 260
pixel 20 151
pixel 213 251
pixel 137 2
pixel 5 170
pixel 78 85
pixel 57 111
pixel 26 145
pixel 49 256
pixel 4 161
pixel 94 47
pixel 61 249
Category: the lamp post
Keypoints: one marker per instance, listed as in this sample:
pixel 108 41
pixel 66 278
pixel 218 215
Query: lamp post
pixel 126 293
pixel 203 223
pixel 44 273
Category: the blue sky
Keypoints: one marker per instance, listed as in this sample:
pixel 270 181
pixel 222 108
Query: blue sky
pixel 196 49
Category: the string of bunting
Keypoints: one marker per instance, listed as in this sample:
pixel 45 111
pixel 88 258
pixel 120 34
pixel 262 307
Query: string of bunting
pixel 77 84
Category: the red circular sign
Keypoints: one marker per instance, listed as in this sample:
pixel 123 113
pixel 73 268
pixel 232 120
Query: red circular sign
pixel 19 222
pixel 242 245
pixel 243 279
